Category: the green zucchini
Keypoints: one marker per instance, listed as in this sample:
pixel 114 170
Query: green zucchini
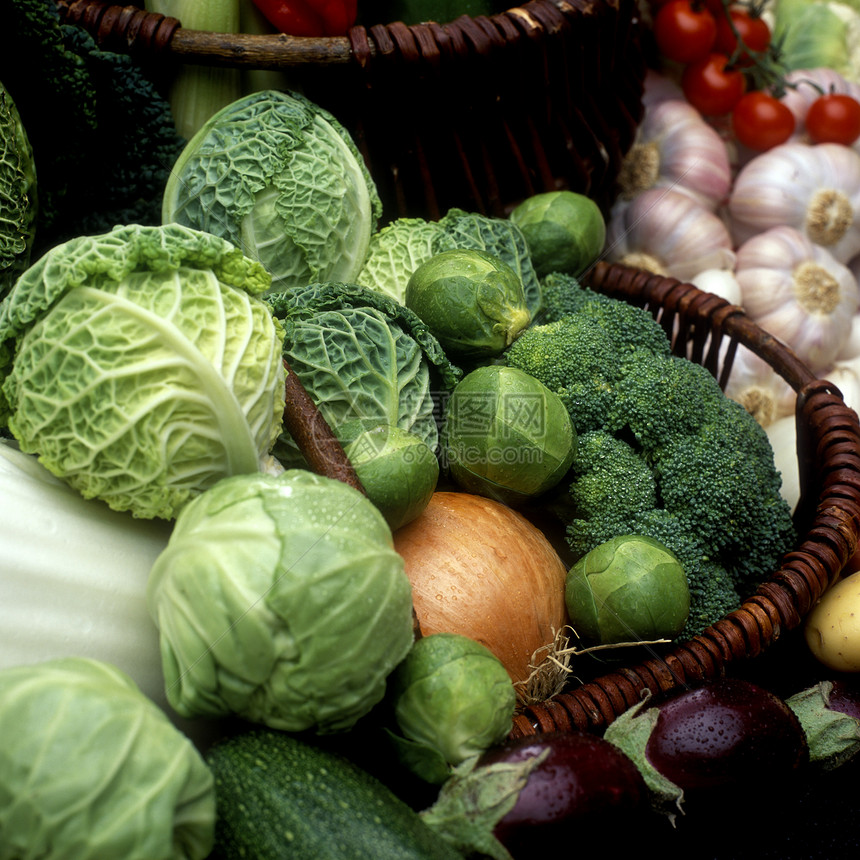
pixel 281 797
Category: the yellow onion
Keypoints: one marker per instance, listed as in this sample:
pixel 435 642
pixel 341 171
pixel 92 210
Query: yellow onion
pixel 480 569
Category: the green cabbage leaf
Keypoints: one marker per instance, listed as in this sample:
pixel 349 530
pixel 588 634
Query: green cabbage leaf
pixel 91 768
pixel 818 33
pixel 362 357
pixel 279 177
pixel 141 367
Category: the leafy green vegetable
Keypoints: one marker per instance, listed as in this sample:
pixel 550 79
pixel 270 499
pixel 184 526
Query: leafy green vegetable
pixel 362 357
pixel 280 599
pixel 627 589
pixel 662 452
pixel 452 698
pixel 818 33
pixel 140 365
pixel 395 252
pixel 471 300
pixel 400 247
pixel 78 587
pixel 94 769
pixel 279 177
pixel 196 91
pixel 17 194
pixel 103 137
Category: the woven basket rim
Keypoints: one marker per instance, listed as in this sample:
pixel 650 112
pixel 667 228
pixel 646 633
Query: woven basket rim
pixel 157 34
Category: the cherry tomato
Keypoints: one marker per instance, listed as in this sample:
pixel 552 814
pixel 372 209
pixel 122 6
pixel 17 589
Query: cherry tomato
pixel 712 86
pixel 761 121
pixel 684 30
pixel 753 31
pixel 834 118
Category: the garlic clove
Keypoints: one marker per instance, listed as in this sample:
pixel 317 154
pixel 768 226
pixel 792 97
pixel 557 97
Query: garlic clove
pixel 783 439
pixel 759 388
pixel 720 282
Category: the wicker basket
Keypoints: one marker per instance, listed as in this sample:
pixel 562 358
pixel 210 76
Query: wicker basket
pixel 477 113
pixel 707 329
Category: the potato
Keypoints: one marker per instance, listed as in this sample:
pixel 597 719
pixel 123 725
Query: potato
pixel 832 629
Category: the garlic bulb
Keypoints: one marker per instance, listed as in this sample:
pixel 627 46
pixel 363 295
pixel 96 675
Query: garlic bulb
pixel 782 435
pixel 658 87
pixel 798 292
pixel 667 233
pixel 804 86
pixel 851 348
pixel 720 282
pixel 845 375
pixel 757 386
pixel 675 148
pixel 814 189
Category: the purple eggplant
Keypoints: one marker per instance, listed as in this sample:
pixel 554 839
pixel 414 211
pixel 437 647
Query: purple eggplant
pixel 724 742
pixel 583 779
pixel 830 715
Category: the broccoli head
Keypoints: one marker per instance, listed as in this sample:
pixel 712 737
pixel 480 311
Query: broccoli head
pixel 662 451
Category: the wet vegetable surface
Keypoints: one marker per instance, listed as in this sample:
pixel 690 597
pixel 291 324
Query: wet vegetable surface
pixel 726 734
pixel 583 781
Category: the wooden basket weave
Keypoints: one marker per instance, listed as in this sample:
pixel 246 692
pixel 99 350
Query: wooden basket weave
pixel 477 113
pixel 707 329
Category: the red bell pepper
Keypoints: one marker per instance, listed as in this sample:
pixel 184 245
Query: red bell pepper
pixel 309 17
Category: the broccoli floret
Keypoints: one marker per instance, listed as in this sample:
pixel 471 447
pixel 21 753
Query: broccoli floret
pixel 664 397
pixel 575 358
pixel 723 482
pixel 611 484
pixel 627 325
pixel 662 451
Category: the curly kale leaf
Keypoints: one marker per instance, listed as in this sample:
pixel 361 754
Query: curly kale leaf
pixel 102 135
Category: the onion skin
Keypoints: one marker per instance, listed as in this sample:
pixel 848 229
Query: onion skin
pixel 480 569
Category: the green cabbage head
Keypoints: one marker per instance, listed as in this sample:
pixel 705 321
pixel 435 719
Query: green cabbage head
pixel 90 768
pixel 280 599
pixel 279 177
pixel 141 365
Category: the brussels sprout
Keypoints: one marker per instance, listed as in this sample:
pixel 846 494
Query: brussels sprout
pixel 280 599
pixel 397 470
pixel 565 231
pixel 92 768
pixel 472 301
pixel 507 436
pixel 627 589
pixel 452 699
